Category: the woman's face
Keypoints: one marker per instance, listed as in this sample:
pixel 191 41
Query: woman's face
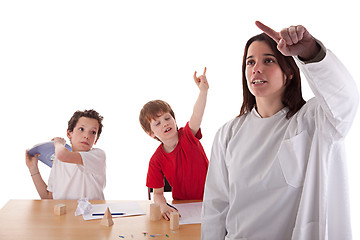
pixel 265 79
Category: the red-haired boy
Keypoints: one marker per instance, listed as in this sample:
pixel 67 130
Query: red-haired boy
pixel 180 156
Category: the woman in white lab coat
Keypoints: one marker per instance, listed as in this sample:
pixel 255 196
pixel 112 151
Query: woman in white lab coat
pixel 278 170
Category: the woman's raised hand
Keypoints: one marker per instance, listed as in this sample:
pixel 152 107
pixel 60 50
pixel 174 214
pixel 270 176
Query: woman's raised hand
pixel 293 41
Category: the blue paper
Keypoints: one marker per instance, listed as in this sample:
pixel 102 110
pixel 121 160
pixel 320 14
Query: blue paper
pixel 47 151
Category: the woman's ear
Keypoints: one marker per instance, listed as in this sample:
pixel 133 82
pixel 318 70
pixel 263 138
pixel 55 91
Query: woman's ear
pixel 288 78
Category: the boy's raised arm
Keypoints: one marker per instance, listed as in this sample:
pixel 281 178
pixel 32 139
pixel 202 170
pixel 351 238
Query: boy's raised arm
pixel 199 107
pixel 63 154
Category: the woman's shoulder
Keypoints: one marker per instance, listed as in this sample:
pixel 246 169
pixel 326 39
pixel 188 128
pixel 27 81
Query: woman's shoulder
pixel 228 129
pixel 309 110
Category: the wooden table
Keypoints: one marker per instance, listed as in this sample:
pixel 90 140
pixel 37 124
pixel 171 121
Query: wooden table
pixel 35 219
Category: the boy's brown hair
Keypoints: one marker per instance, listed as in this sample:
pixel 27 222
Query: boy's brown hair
pixel 151 110
pixel 89 114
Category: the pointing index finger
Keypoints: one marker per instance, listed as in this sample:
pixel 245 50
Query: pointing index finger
pixel 268 31
pixel 204 71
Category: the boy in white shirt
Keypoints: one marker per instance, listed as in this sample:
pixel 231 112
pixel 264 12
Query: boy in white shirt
pixel 80 173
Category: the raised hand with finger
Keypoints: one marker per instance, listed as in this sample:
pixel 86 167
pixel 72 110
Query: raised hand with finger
pixel 201 81
pixel 199 107
pixel 293 41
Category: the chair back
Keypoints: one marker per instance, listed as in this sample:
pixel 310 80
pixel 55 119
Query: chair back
pixel 167 188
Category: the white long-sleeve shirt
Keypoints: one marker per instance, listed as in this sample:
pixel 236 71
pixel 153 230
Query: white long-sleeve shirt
pixel 276 178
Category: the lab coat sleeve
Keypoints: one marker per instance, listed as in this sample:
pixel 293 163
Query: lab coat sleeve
pixel 335 91
pixel 216 194
pixel 327 118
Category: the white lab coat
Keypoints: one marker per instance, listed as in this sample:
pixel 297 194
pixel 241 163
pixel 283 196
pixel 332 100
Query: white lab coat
pixel 274 178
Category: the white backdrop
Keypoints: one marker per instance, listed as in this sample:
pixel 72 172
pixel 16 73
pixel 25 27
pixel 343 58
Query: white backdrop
pixel 60 56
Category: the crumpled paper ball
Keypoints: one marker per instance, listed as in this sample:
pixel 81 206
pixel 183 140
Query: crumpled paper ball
pixel 84 206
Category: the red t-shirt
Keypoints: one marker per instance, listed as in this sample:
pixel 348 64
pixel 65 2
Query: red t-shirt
pixel 185 167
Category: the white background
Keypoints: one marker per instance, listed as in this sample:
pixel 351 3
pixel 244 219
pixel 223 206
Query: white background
pixel 57 57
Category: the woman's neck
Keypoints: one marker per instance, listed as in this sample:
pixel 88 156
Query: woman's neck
pixel 267 108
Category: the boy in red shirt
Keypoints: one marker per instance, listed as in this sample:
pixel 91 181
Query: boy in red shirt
pixel 180 156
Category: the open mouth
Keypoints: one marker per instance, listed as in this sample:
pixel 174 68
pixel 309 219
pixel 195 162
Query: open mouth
pixel 168 129
pixel 258 81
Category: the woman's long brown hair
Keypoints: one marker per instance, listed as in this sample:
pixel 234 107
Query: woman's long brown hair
pixel 292 97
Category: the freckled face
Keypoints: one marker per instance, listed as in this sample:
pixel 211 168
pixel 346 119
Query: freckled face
pixel 265 79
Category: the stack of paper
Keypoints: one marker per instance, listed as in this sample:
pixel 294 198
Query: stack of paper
pixel 190 212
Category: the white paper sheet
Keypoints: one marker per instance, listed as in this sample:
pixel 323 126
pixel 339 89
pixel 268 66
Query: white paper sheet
pixel 190 212
pixel 128 208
